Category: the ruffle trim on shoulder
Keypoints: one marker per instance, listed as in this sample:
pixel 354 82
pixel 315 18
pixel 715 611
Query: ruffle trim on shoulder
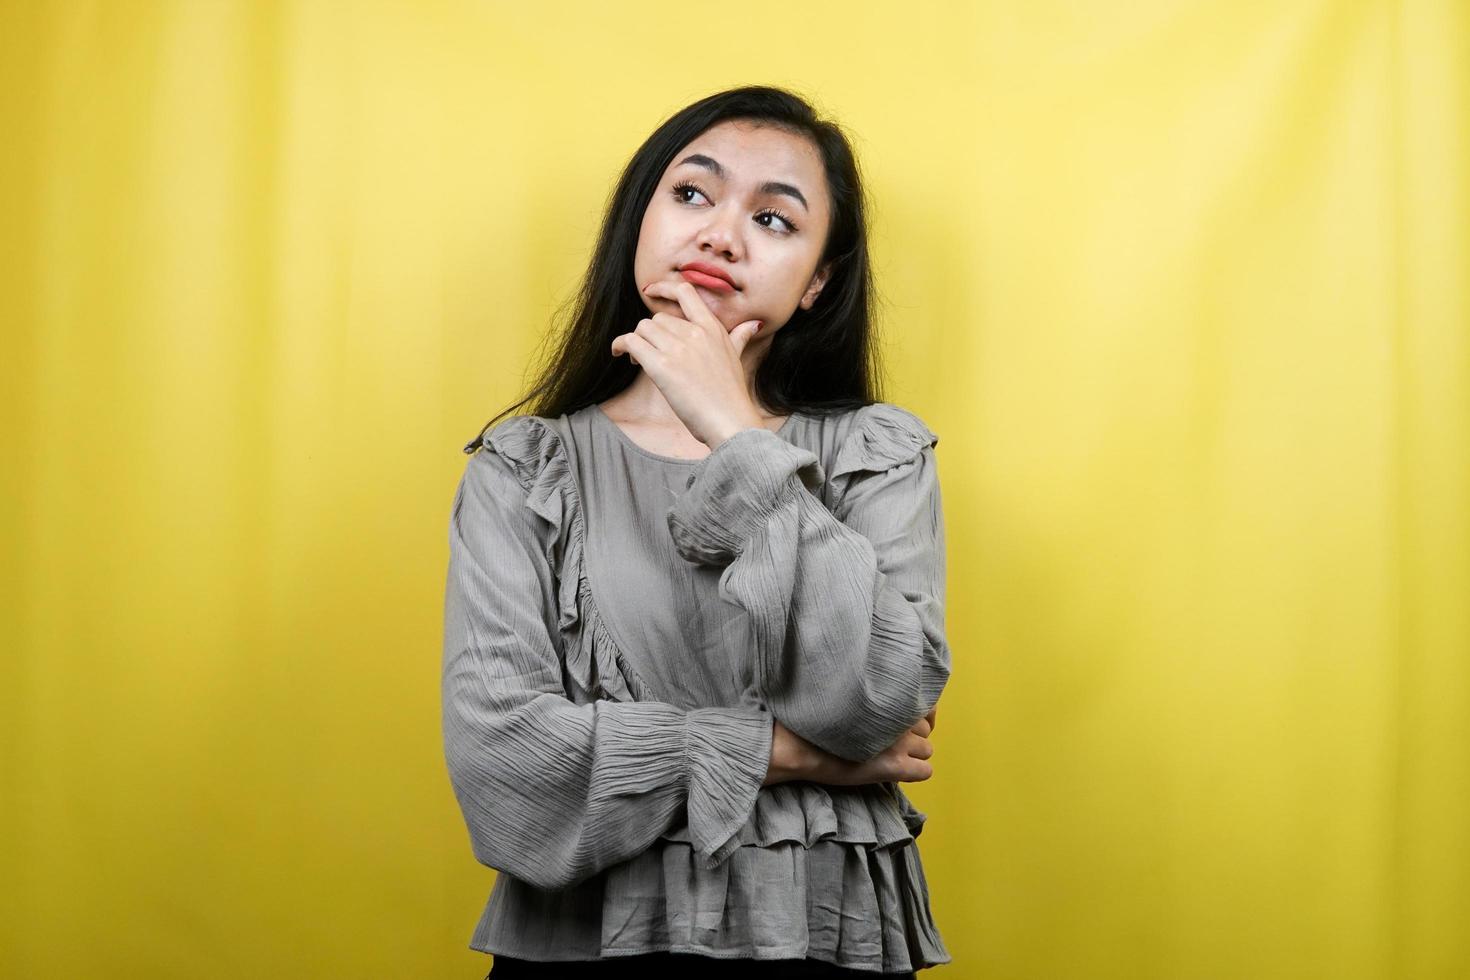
pixel 882 436
pixel 595 666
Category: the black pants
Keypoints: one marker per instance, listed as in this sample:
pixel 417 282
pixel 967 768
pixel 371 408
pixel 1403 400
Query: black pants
pixel 683 965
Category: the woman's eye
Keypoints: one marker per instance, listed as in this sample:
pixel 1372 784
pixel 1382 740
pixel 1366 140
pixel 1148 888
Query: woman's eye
pixel 779 217
pixel 679 190
pixel 682 187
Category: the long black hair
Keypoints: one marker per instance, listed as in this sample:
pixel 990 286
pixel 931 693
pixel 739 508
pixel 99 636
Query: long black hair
pixel 822 360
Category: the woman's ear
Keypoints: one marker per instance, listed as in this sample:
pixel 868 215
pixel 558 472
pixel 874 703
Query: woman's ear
pixel 815 288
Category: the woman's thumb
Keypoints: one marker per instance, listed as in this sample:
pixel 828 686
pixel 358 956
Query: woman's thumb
pixel 742 333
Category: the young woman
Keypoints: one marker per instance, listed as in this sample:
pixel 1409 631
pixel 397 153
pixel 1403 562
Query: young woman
pixel 694 617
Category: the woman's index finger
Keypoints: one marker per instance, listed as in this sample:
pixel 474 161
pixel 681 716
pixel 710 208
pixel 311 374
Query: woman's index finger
pixel 690 302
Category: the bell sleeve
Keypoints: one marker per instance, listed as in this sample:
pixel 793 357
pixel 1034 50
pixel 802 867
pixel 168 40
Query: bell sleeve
pixel 553 791
pixel 846 605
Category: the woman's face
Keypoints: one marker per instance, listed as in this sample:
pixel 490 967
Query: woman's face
pixel 749 201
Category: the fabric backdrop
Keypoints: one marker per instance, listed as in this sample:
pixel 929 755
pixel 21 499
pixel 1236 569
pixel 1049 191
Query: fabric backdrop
pixel 1180 285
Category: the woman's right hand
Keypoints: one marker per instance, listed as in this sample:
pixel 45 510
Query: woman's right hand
pixel 793 757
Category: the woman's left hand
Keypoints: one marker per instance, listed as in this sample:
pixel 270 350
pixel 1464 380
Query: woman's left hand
pixel 695 362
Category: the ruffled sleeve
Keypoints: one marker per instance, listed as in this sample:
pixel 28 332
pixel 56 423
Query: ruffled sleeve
pixel 846 605
pixel 553 791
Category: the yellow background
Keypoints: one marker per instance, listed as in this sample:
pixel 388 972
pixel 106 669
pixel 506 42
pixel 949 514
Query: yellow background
pixel 1181 286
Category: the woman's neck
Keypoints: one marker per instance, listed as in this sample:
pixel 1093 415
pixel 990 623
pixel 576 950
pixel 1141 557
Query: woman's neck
pixel 643 402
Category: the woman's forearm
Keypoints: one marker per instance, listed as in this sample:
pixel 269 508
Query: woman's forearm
pixel 793 757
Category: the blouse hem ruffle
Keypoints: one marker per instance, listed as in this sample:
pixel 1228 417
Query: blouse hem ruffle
pixel 850 906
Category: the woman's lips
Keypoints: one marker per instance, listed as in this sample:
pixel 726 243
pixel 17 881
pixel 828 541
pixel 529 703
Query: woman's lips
pixel 708 282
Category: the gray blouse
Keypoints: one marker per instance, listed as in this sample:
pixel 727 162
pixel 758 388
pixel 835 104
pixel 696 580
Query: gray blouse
pixel 620 630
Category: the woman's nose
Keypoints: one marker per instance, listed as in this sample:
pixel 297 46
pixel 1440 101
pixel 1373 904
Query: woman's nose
pixel 720 235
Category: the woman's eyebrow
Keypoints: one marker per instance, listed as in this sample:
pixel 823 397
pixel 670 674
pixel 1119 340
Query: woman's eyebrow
pixel 769 187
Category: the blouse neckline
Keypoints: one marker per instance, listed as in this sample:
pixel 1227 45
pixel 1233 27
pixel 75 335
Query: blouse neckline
pixel 627 440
